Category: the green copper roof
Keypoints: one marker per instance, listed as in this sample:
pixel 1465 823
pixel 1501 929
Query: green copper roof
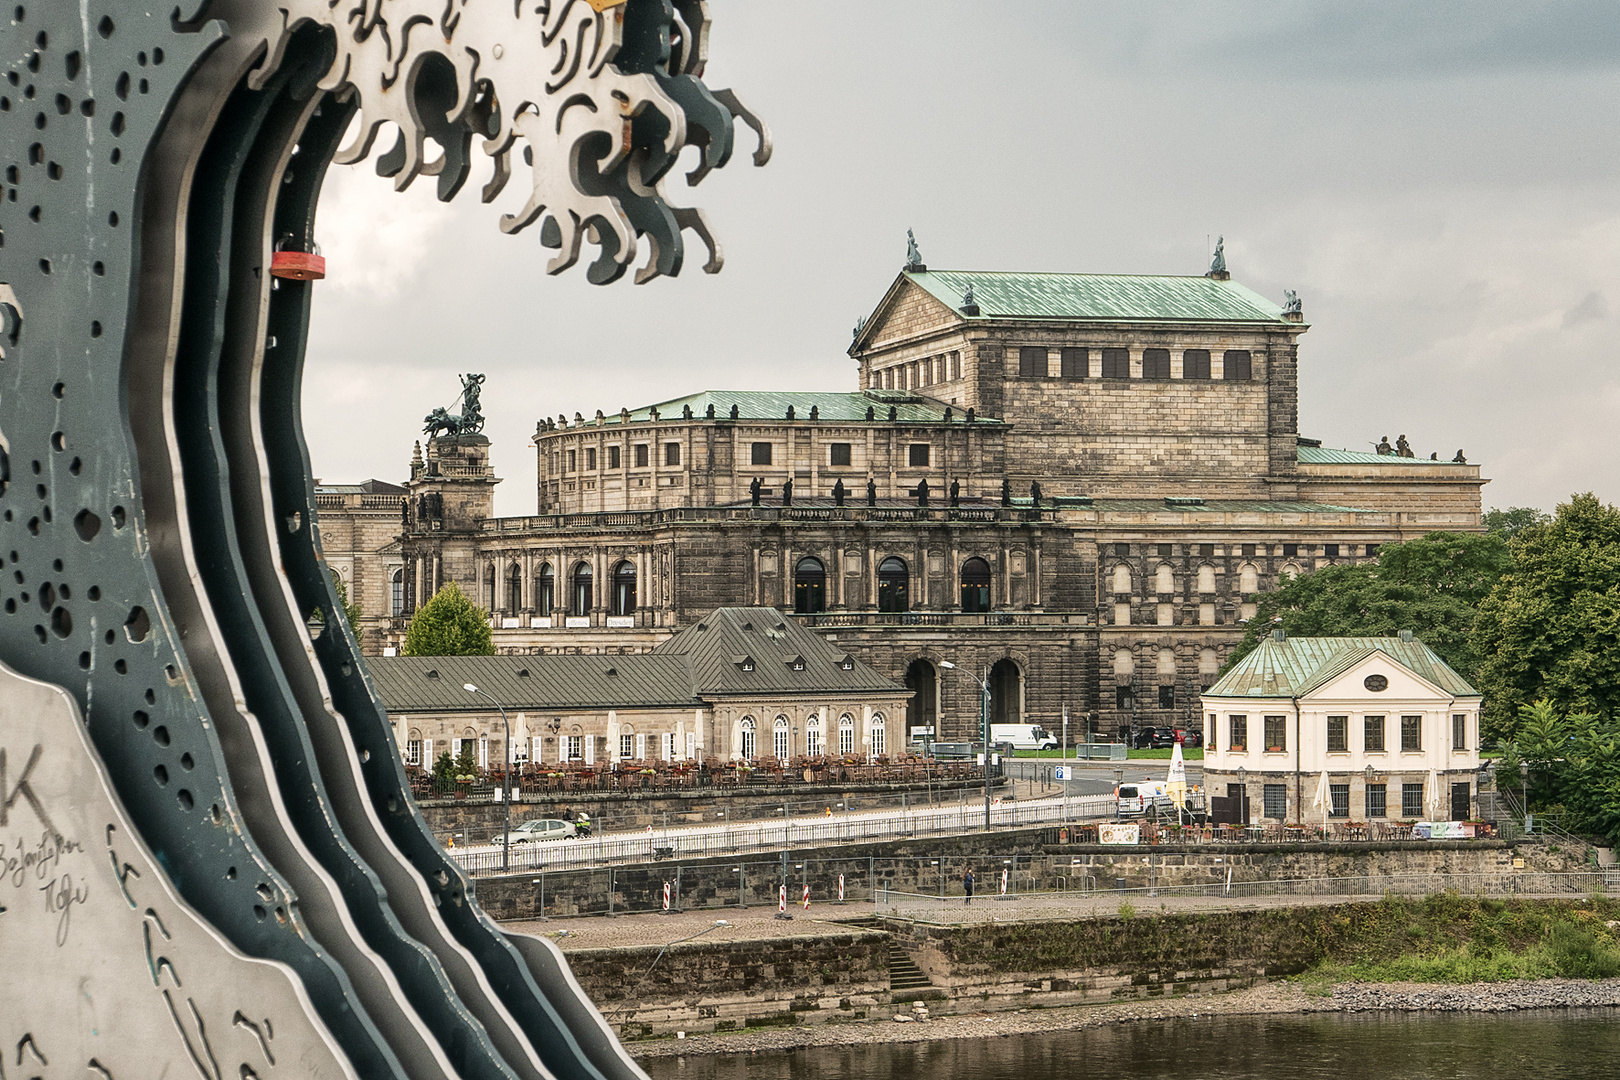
pixel 1103 297
pixel 1297 665
pixel 1222 506
pixel 773 405
pixel 1317 455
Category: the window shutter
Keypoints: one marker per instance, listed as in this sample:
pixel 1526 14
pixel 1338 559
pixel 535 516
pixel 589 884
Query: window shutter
pixel 641 748
pixel 590 749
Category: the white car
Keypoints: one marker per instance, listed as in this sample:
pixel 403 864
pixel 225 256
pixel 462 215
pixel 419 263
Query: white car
pixel 540 829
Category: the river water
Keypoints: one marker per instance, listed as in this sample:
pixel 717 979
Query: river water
pixel 1551 1045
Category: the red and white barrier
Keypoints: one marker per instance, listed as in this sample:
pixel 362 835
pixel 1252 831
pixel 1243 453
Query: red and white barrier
pixel 1004 883
pixel 666 896
pixel 807 898
pixel 840 888
pixel 781 900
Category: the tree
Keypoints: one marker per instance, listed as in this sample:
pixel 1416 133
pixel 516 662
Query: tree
pixel 1514 520
pixel 1550 629
pixel 351 612
pixel 1574 764
pixel 1430 586
pixel 450 624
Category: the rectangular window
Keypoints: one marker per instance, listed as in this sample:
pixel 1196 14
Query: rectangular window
pixel 1164 551
pixel 1116 363
pixel 1167 697
pixel 1155 363
pixel 613 457
pixel 672 453
pixel 1276 733
pixel 1412 800
pixel 1237 732
pixel 413 751
pixel 572 456
pixel 1339 800
pixel 956 366
pixel 1411 733
pixel 1076 363
pixel 573 748
pixel 1459 731
pixel 1248 551
pixel 1330 551
pixel 1372 734
pixel 1123 698
pixel 760 453
pixel 839 453
pixel 812 739
pixel 1376 793
pixel 880 744
pixel 1195 364
pixel 1206 551
pixel 1237 365
pixel 917 455
pixel 1032 361
pixel 1338 734
pixel 1372 551
pixel 1122 550
pixel 1276 801
pixel 627 746
pixel 1290 551
pixel 590 459
pixel 641 455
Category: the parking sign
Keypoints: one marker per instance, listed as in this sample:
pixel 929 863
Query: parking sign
pixel 1060 772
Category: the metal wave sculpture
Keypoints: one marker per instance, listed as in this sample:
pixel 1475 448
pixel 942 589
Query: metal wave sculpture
pixel 209 859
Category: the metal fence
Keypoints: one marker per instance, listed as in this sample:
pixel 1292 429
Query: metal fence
pixel 705 841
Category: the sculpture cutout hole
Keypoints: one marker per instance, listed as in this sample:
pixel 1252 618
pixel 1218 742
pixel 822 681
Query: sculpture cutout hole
pixel 118 517
pixel 161 775
pixel 62 623
pixel 47 596
pixel 138 625
pixel 160 735
pixel 141 719
pixel 87 524
pixel 184 798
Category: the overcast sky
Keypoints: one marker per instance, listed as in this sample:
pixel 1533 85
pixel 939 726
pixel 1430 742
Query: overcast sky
pixel 1439 183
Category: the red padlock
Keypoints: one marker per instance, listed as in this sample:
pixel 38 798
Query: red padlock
pixel 298 265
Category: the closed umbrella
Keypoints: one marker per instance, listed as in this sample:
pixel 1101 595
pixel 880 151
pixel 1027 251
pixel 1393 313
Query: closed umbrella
pixel 1434 795
pixel 1176 783
pixel 1324 798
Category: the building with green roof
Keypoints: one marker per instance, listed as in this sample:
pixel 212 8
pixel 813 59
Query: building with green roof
pixel 1072 486
pixel 1340 729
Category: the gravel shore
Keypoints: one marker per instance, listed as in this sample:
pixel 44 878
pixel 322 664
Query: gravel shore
pixel 1270 999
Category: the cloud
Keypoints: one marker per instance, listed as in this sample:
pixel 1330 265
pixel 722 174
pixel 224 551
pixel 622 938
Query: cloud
pixel 1591 309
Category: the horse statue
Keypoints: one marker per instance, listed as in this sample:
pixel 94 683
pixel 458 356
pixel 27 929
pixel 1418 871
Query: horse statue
pixel 441 422
pixel 219 798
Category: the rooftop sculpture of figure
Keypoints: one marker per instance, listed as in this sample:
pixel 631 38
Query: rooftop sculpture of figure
pixel 1217 265
pixel 956 493
pixel 838 493
pixel 1291 304
pixel 787 492
pixel 922 492
pixel 1384 449
pixel 472 416
pixel 1403 448
pixel 754 487
pixel 1035 494
pixel 1459 459
pixel 913 255
pixel 1006 492
pixel 871 492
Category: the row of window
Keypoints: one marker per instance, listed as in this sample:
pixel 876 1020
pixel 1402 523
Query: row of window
pixel 1247 551
pixel 839 454
pixel 1275 732
pixel 915 374
pixel 1374 804
pixel 894 585
pixel 814 745
pixel 568 460
pixel 1034 362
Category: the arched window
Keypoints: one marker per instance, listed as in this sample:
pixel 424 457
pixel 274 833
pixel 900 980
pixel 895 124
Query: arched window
pixel 1289 570
pixel 809 587
pixel 748 735
pixel 1206 579
pixel 846 734
pixel 623 600
pixel 1164 579
pixel 923 682
pixel 489 586
pixel 514 589
pixel 580 604
pixel 975 585
pixel 779 739
pixel 545 589
pixel 880 742
pixel 1006 693
pixel 1248 578
pixel 812 736
pixel 894 585
pixel 1122 579
pixel 396 593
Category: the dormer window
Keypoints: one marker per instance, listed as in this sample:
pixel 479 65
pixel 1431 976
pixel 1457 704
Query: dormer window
pixel 847 662
pixel 744 663
pixel 797 663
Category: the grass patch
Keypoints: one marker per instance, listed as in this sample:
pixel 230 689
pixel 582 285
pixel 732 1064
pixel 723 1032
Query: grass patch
pixel 1190 753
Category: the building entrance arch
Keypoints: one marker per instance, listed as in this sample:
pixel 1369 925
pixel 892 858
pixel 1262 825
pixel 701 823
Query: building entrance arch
pixel 1006 693
pixel 922 711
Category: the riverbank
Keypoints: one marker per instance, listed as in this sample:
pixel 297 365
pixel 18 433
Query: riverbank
pixel 1270 999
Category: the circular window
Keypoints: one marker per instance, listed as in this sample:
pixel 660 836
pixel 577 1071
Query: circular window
pixel 1375 683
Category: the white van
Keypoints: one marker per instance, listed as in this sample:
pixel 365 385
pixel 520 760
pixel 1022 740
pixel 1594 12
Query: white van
pixel 1023 736
pixel 1135 800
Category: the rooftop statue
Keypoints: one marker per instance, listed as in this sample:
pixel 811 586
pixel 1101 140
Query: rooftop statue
pixel 1383 448
pixel 1291 304
pixel 1217 265
pixel 913 255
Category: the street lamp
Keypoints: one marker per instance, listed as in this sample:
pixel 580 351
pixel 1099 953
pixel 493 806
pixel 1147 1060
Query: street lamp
pixel 984 727
pixel 506 781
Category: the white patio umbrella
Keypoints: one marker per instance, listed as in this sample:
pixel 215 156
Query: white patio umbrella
pixel 1434 795
pixel 1176 783
pixel 1324 798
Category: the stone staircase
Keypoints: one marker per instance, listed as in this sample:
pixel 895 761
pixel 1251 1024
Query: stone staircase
pixel 904 974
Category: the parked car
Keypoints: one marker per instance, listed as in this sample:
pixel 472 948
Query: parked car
pixel 1189 738
pixel 1154 738
pixel 540 829
pixel 1136 800
pixel 1023 736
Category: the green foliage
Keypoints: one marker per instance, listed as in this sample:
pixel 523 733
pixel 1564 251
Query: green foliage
pixel 444 770
pixel 351 612
pixel 1127 910
pixel 1574 766
pixel 1430 586
pixel 1514 520
pixel 1550 629
pixel 450 624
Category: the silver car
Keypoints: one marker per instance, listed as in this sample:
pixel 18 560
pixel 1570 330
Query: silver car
pixel 540 829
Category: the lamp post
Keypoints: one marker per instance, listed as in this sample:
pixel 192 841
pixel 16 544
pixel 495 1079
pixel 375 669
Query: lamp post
pixel 506 781
pixel 984 730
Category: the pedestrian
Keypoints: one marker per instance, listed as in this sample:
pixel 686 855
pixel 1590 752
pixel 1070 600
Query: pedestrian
pixel 967 885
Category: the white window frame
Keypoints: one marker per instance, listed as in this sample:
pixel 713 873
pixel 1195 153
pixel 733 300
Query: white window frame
pixel 781 739
pixel 846 734
pixel 812 737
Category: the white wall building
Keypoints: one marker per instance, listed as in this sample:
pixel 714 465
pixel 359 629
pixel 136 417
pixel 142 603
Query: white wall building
pixel 1395 729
